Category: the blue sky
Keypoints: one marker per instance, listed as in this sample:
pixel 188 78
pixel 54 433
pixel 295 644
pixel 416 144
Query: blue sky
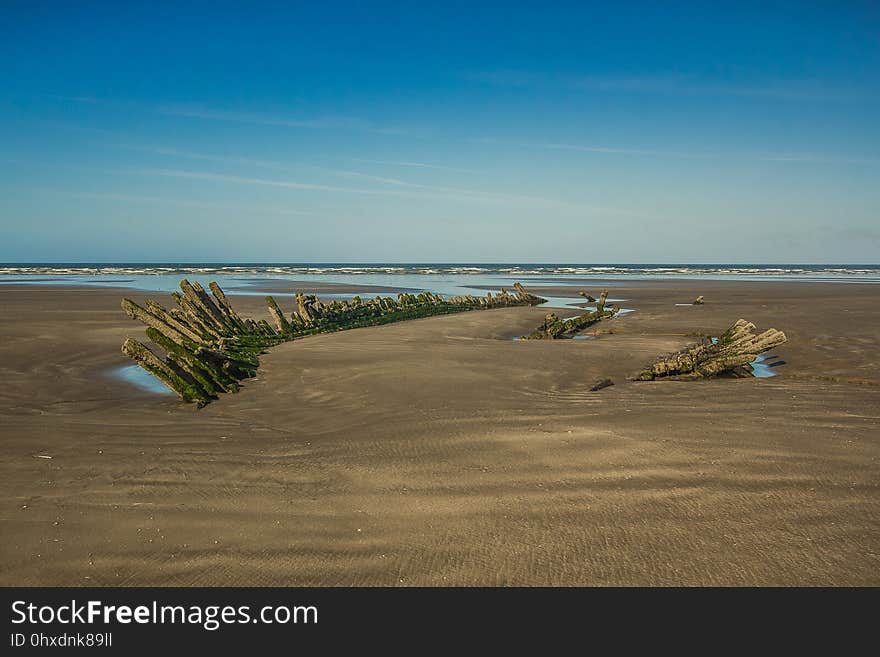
pixel 360 132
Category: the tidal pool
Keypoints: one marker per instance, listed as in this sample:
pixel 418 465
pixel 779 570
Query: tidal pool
pixel 137 376
pixel 760 369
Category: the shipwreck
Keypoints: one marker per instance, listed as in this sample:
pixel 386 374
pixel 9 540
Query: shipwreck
pixel 209 348
pixel 554 328
pixel 732 353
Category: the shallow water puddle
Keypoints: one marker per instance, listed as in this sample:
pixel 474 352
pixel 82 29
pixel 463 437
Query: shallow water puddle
pixel 567 302
pixel 760 369
pixel 137 376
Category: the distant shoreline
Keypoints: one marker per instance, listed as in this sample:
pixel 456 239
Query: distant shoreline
pixel 329 279
pixel 674 270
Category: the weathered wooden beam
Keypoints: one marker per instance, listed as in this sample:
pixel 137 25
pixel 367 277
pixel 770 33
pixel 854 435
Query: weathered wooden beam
pixel 281 323
pixel 226 308
pixel 210 348
pixel 731 352
pixel 302 308
pixel 194 317
pixel 202 306
pixel 168 318
pixel 206 372
pixel 554 328
pixel 143 315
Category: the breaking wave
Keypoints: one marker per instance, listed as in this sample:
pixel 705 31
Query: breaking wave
pixel 531 270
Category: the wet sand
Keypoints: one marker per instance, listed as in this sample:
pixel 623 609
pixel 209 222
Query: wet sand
pixel 441 452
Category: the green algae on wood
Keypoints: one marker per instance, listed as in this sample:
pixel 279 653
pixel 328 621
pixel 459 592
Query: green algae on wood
pixel 209 348
pixel 554 328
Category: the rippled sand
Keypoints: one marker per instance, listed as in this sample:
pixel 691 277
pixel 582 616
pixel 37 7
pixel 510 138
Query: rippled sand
pixel 441 452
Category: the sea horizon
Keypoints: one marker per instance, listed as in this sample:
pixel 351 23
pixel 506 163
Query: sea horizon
pixel 434 267
pixel 447 279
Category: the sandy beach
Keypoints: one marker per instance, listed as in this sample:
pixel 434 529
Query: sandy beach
pixel 442 452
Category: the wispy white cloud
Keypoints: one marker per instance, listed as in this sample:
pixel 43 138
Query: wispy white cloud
pixel 191 155
pixel 668 83
pixel 353 175
pixel 415 165
pixel 282 166
pixel 210 114
pixel 243 180
pixel 286 184
pixel 203 113
pixel 448 193
pixel 66 126
pixel 785 90
pixel 242 117
pixel 357 175
pixel 183 203
pixel 418 192
pixel 585 148
pixel 727 157
pixel 817 159
pixel 265 164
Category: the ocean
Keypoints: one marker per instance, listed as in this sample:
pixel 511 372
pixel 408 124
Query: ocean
pixel 441 278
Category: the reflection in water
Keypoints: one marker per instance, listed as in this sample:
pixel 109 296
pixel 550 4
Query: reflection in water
pixel 566 302
pixel 760 369
pixel 140 378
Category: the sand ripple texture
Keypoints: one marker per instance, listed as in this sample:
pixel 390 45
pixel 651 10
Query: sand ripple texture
pixel 441 452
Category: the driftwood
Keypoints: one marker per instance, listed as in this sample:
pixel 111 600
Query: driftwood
pixel 209 348
pixel 554 328
pixel 732 353
pixel 601 383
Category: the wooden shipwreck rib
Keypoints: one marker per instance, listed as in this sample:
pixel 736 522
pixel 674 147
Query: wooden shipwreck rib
pixel 209 348
pixel 732 353
pixel 554 328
